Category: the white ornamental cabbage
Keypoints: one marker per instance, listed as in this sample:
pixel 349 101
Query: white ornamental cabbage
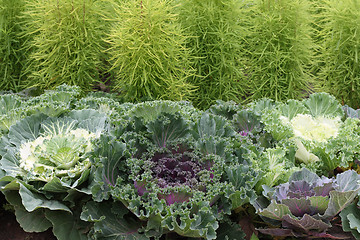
pixel 46 171
pixel 316 128
pixel 45 148
pixel 56 154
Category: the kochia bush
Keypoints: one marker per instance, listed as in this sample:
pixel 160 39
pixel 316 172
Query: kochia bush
pixel 217 48
pixel 65 43
pixel 339 52
pixel 280 49
pixel 147 51
pixel 12 57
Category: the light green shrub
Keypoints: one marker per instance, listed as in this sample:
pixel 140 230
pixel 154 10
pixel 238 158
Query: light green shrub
pixel 147 52
pixel 65 43
pixel 216 43
pixel 340 50
pixel 280 49
pixel 11 56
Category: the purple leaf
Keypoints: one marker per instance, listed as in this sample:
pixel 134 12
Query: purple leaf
pixel 298 207
pixel 175 197
pixel 305 224
pixel 176 167
pixel 246 122
pixel 279 232
pixel 282 191
pixel 300 189
pixel 323 190
pixel 140 187
pixel 324 235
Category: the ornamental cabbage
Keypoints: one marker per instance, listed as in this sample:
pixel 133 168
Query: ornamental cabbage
pixel 317 129
pixel 305 206
pixel 181 177
pixel 46 169
pixel 257 146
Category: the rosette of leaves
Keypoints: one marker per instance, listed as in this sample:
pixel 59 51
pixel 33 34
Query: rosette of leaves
pixel 254 144
pixel 305 206
pixel 45 170
pixel 315 126
pixel 182 177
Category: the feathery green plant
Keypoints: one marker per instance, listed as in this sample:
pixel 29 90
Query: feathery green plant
pixel 65 43
pixel 340 51
pixel 11 58
pixel 216 42
pixel 147 51
pixel 280 49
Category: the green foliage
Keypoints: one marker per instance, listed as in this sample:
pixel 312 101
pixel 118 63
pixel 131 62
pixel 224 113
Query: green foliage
pixel 14 107
pixel 65 43
pixel 11 56
pixel 280 49
pixel 147 51
pixel 216 43
pixel 350 218
pixel 340 71
pixel 118 223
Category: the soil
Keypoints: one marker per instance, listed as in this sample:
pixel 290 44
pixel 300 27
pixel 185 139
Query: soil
pixel 11 230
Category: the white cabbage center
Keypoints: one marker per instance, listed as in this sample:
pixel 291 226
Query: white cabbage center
pixel 314 129
pixel 57 154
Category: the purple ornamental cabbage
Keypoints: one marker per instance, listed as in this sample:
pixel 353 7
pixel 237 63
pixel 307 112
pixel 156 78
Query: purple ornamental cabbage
pixel 183 177
pixel 306 205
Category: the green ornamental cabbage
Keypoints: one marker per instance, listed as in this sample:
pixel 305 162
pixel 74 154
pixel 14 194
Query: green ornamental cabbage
pixel 46 169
